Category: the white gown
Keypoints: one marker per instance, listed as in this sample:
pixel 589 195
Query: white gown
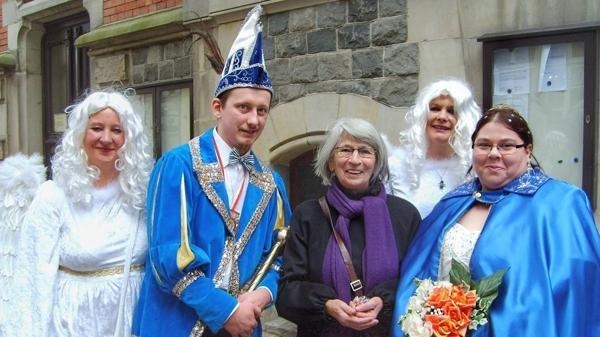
pixel 458 244
pixel 433 172
pixel 20 177
pixel 88 296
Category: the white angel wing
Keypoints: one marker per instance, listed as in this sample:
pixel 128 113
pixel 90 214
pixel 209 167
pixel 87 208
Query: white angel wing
pixel 20 177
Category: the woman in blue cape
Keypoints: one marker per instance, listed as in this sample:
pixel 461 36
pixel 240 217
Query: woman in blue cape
pixel 514 217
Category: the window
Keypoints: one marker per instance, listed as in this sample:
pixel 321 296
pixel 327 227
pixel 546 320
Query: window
pixel 65 75
pixel 550 76
pixel 167 112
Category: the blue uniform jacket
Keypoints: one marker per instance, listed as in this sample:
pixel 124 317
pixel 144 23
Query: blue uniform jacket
pixel 191 242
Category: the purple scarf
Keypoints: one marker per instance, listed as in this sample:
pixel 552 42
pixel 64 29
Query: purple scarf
pixel 380 259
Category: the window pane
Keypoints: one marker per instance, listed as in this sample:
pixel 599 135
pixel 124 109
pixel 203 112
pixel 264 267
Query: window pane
pixel 142 105
pixel 545 83
pixel 174 117
pixel 58 56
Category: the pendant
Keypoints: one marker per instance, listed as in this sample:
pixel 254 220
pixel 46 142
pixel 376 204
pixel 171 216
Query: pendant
pixel 442 184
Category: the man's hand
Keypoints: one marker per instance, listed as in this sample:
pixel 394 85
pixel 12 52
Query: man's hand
pixel 243 320
pixel 260 297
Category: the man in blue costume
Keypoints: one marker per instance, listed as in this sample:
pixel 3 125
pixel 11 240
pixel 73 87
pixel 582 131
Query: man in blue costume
pixel 213 213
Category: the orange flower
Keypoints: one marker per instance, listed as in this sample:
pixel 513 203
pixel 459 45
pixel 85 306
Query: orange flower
pixel 445 309
pixel 442 326
pixel 456 306
pixel 465 300
pixel 438 297
pixel 458 318
pixel 462 298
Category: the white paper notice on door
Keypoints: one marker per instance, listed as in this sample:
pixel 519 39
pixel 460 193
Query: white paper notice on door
pixel 553 68
pixel 511 71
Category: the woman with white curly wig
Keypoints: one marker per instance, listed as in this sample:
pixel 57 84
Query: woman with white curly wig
pixel 435 151
pixel 83 244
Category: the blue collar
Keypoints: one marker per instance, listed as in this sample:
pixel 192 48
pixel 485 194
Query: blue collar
pixel 527 183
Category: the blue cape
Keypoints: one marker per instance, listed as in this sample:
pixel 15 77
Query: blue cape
pixel 544 231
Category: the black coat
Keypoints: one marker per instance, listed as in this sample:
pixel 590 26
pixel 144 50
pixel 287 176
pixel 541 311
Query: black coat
pixel 302 293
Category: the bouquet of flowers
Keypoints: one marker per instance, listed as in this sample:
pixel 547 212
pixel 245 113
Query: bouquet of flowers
pixel 449 309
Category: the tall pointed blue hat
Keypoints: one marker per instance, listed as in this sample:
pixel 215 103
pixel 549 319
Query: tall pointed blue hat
pixel 245 65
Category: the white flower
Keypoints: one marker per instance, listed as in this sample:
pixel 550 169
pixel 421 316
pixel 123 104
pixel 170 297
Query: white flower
pixel 416 304
pixel 412 324
pixel 425 287
pixel 477 322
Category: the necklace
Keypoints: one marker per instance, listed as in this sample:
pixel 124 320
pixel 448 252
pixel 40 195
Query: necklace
pixel 441 184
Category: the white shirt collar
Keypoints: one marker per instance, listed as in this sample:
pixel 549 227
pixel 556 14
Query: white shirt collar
pixel 222 148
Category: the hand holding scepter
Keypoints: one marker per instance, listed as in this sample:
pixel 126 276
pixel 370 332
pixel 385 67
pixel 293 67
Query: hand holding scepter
pixel 262 270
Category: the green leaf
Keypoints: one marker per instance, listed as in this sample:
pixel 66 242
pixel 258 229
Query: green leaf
pixel 459 273
pixel 487 289
pixel 488 286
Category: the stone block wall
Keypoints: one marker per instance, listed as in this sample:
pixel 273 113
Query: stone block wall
pixel 161 63
pixel 351 46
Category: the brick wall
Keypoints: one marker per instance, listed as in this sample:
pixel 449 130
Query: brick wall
pixel 3 34
pixel 117 10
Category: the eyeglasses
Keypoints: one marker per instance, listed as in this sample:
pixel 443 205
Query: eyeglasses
pixel 347 151
pixel 503 148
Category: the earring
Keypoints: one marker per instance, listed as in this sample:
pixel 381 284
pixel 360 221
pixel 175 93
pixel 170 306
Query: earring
pixel 529 168
pixel 118 164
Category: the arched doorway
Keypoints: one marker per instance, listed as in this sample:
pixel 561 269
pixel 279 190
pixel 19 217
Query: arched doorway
pixel 304 184
pixel 296 129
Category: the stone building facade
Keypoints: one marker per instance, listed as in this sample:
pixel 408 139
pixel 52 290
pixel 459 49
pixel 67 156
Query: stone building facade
pixel 327 59
pixel 343 47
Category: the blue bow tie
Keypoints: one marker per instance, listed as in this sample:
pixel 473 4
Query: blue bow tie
pixel 247 160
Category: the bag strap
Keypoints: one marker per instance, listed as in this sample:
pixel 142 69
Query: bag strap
pixel 355 283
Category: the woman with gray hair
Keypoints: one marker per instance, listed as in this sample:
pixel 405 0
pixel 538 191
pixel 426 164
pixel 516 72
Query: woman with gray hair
pixel 435 151
pixel 341 260
pixel 83 244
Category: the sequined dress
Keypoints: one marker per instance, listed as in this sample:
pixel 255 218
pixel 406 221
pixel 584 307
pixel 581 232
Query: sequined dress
pixel 458 244
pixel 74 265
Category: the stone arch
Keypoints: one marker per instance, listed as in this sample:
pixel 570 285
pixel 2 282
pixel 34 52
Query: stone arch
pixel 298 125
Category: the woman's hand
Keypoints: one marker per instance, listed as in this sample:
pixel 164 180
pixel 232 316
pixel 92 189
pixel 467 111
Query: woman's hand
pixel 369 308
pixel 346 315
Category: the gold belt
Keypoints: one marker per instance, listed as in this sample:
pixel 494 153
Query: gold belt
pixel 101 272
